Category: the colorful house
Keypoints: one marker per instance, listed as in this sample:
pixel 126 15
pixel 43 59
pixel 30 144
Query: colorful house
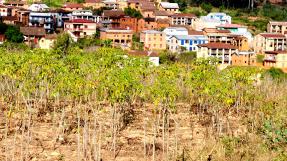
pixel 276 59
pixel 181 43
pixel 269 42
pixel 47 41
pixel 279 27
pixel 237 30
pixel 243 58
pixel 183 19
pixel 119 37
pixel 153 40
pixel 81 27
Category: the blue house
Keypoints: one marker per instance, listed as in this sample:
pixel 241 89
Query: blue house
pixel 180 43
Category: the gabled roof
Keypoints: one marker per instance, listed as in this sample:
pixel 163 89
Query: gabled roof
pixel 193 32
pixel 148 6
pixel 218 46
pixel 9 18
pixel 80 21
pixel 169 5
pixel 33 31
pixel 189 37
pixel 272 35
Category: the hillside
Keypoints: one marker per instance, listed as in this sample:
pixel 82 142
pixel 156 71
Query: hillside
pixel 104 105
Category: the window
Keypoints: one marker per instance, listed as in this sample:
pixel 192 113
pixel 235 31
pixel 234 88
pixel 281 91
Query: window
pixel 85 33
pixel 182 42
pixel 186 41
pixel 190 42
pixel 195 42
pixel 86 26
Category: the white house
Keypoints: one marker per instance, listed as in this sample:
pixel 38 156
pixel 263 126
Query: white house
pixel 170 7
pixel 180 43
pixel 212 20
pixel 38 7
pixel 173 31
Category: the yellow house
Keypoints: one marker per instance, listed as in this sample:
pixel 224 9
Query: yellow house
pixel 269 42
pixel 241 42
pixel 47 42
pixel 276 59
pixel 153 40
pixel 119 37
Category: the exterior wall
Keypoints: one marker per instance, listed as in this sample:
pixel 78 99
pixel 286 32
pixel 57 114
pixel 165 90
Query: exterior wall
pixel 183 21
pixel 149 14
pixel 81 29
pixel 204 52
pixel 46 43
pixel 176 45
pixel 243 60
pixel 119 38
pixel 276 60
pixel 129 23
pixel 5 11
pixel 153 41
pixel 143 25
pixel 172 10
pixel 277 28
pixel 242 44
pixel 262 44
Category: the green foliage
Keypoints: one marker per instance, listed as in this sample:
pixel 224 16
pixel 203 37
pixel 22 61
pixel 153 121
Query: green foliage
pixel 274 12
pixel 260 58
pixel 187 57
pixel 182 4
pixel 13 34
pixel 206 7
pixel 88 42
pixel 3 28
pixel 62 44
pixel 276 73
pixel 276 136
pixel 167 57
pixel 133 13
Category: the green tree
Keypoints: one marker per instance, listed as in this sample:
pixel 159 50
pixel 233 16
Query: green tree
pixel 13 34
pixel 133 13
pixel 62 44
pixel 206 7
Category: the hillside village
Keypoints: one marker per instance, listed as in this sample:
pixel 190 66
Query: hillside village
pixel 159 26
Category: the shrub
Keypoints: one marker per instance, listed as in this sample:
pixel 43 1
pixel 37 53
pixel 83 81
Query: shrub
pixel 260 58
pixel 206 7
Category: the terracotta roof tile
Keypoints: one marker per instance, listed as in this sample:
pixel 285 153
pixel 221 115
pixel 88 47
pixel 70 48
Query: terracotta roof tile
pixel 272 35
pixel 33 31
pixel 80 21
pixel 113 13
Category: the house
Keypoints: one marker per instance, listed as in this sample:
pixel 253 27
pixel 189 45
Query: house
pixel 172 31
pixel 241 42
pixel 182 43
pixel 243 58
pixel 153 57
pixel 135 4
pixel 277 27
pixel 112 4
pixel 221 51
pixel 111 18
pixel 37 7
pixel 47 41
pixel 162 23
pixel 119 37
pixel 16 3
pixel 5 10
pixel 277 59
pixel 72 6
pixel 123 4
pixel 10 20
pixel 237 30
pixel 169 7
pixel 47 20
pixel 147 9
pixel 81 27
pixel 147 24
pixel 94 4
pixel 162 14
pixel 32 35
pixel 22 16
pixel 212 20
pixel 128 22
pixel 269 42
pixel 183 19
pixel 153 40
pixel 85 14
